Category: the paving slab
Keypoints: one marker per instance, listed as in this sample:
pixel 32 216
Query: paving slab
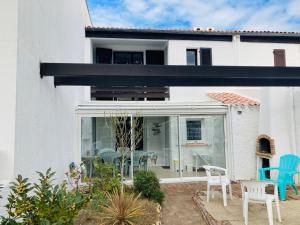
pixel 232 214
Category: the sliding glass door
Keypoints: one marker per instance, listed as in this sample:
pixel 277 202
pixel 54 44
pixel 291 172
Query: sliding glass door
pixel 170 146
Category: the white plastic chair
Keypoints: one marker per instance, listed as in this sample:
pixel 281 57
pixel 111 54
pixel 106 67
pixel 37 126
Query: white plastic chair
pixel 202 156
pixel 220 180
pixel 255 192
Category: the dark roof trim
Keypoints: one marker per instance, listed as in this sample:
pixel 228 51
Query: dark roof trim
pixel 105 75
pixel 271 39
pixel 154 34
pixel 246 36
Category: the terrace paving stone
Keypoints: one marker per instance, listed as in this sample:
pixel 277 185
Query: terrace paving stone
pixel 179 207
pixel 232 214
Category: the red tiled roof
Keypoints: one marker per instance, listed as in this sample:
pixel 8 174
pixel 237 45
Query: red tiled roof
pixel 233 99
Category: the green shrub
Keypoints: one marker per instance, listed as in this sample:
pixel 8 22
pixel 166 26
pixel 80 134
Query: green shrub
pixel 41 203
pixel 105 180
pixel 97 199
pixel 146 183
pixel 102 170
pixel 106 177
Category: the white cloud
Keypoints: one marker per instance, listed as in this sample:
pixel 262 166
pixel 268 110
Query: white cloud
pixel 274 16
pixel 107 17
pixel 136 6
pixel 220 14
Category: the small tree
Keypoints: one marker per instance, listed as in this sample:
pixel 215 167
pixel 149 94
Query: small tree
pixel 128 131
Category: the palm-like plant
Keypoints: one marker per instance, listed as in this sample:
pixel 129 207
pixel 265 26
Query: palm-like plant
pixel 122 209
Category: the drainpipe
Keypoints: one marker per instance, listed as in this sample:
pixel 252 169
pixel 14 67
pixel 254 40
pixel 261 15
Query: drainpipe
pixel 230 150
pixel 179 146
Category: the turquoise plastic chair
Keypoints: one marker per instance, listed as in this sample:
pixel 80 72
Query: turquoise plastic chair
pixel 287 169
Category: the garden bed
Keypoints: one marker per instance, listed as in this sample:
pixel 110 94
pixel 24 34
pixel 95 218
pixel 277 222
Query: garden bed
pixel 93 217
pixel 101 200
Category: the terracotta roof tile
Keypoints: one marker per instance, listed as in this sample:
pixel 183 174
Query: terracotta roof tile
pixel 233 99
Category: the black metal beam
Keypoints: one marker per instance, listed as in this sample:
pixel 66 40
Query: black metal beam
pixel 105 75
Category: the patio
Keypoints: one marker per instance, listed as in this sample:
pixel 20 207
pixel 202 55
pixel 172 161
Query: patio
pixel 186 204
pixel 179 208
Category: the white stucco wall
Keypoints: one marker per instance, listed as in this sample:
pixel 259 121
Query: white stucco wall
pixel 296 103
pixel 277 109
pixel 48 31
pixel 276 117
pixel 245 126
pixel 223 53
pixel 8 61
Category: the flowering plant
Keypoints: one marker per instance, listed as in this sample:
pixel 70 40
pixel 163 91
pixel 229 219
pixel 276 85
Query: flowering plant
pixel 41 202
pixel 75 174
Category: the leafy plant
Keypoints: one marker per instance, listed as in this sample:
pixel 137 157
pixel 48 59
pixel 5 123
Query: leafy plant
pixel 20 204
pixel 146 183
pixel 103 170
pixel 106 177
pixel 41 203
pixel 122 209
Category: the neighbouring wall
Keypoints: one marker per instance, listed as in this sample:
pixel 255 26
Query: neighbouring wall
pixel 8 61
pixel 48 31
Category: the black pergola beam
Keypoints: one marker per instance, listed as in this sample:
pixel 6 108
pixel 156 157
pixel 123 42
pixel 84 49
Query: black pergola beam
pixel 107 75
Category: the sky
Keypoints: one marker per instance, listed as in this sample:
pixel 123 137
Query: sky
pixel 276 15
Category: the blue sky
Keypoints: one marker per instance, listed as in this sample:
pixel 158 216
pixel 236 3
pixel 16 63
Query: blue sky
pixel 282 15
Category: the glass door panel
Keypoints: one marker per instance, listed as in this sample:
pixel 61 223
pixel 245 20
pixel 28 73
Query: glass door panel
pixel 160 147
pixel 202 143
pixel 99 144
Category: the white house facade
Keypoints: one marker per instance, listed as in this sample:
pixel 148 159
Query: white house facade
pixel 38 120
pixel 51 122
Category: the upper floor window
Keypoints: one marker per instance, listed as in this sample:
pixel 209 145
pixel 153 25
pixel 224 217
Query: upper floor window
pixel 128 58
pixel 191 57
pixel 155 57
pixel 103 55
pixel 279 57
pixel 205 56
